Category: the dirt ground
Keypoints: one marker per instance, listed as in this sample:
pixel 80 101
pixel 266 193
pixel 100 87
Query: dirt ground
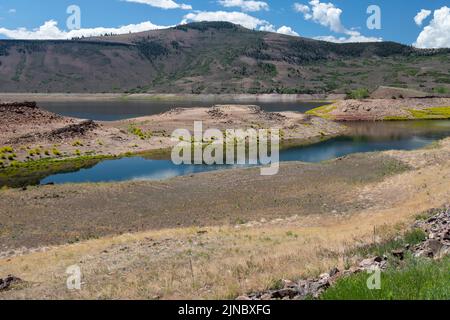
pixel 75 212
pixel 209 235
pixel 315 214
pixel 36 134
pixel 382 109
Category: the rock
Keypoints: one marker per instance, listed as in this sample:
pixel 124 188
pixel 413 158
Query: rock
pixel 289 284
pixel 400 254
pixel 371 262
pixel 324 276
pixel 243 298
pixel 334 272
pixel 434 247
pixel 266 297
pixel 378 259
pixel 6 283
pixel 280 294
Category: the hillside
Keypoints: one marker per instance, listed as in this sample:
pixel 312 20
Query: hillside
pixel 216 57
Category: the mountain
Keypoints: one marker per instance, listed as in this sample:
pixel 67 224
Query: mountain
pixel 216 57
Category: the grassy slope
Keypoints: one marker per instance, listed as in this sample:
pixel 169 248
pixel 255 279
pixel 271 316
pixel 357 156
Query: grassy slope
pixel 215 58
pixel 409 279
pixel 413 279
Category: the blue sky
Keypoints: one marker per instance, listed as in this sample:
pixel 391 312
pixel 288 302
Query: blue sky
pixel 335 20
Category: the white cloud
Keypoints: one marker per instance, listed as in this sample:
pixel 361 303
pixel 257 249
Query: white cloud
pixel 287 31
pixel 421 16
pixel 163 4
pixel 12 11
pixel 353 36
pixel 328 15
pixel 240 18
pixel 50 30
pixel 246 5
pixel 437 33
pixel 301 8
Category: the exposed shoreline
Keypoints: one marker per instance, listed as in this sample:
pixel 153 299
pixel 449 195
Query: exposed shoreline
pixel 32 134
pixel 218 221
pixel 68 97
pixel 385 109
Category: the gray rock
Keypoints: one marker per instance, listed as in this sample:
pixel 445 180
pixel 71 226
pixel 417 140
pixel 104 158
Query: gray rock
pixel 7 282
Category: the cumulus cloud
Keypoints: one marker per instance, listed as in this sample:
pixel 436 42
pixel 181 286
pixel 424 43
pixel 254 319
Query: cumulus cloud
pixel 287 31
pixel 436 34
pixel 240 18
pixel 245 5
pixel 282 30
pixel 163 4
pixel 50 31
pixel 328 15
pixel 421 16
pixel 301 8
pixel 353 36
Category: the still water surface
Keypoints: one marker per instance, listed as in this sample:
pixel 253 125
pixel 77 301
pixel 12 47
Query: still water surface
pixel 364 137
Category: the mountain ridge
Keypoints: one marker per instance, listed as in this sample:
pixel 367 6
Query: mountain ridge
pixel 215 57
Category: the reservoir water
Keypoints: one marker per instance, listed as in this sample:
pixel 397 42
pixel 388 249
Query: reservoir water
pixel 364 137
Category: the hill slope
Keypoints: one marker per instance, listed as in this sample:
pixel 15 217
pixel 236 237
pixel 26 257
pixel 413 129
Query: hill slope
pixel 216 57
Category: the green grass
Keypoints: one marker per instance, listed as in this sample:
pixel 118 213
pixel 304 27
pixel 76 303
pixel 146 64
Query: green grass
pixel 441 90
pixel 139 132
pixel 323 112
pixel 410 279
pixel 18 174
pixel 431 113
pixel 362 93
pixel 6 149
pixel 411 237
pixel 413 279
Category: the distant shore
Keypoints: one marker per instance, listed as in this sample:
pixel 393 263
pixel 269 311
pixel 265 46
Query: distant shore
pixel 67 97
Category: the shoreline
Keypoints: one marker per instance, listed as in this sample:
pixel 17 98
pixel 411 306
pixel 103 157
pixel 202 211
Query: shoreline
pixel 32 134
pixel 112 225
pixel 72 97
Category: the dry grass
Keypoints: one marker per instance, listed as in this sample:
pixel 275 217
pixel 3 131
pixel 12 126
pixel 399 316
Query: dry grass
pixel 227 261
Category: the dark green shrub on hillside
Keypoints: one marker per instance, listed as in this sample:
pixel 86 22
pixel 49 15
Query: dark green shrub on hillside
pixel 268 69
pixel 151 50
pixel 203 26
pixel 362 93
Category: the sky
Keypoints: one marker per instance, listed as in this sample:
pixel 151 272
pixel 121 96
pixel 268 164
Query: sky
pixel 422 23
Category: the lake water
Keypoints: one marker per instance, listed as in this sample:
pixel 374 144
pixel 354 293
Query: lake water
pixel 119 110
pixel 365 137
